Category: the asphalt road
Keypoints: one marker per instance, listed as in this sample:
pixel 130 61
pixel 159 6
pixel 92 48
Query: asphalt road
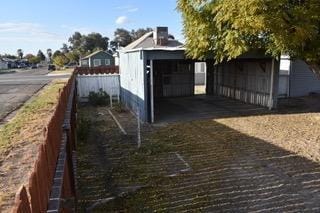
pixel 16 88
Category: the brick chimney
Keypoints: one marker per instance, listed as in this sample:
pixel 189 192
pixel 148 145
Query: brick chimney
pixel 160 36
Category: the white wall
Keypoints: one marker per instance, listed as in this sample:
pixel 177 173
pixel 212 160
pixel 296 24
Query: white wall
pixel 110 83
pixel 3 65
pixel 248 81
pixel 302 80
pixel 132 72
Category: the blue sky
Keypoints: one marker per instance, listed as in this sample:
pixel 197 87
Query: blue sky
pixel 41 24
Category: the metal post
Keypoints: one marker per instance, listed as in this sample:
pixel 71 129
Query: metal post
pixel 138 129
pixel 110 99
pixel 151 91
pixel 271 85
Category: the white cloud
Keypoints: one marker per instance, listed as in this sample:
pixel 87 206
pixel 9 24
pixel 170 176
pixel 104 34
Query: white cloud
pixel 122 20
pixel 28 36
pixel 24 29
pixel 127 8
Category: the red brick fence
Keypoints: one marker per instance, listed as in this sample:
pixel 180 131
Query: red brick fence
pixel 52 178
pixel 97 70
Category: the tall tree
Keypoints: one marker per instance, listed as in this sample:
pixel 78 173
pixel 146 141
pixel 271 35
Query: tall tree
pixel 136 34
pixel 60 60
pixel 34 60
pixel 64 49
pixel 85 44
pixel 73 56
pixel 95 41
pixel 122 37
pixel 224 29
pixel 75 40
pixel 49 53
pixel 20 53
pixel 41 56
pixel 56 53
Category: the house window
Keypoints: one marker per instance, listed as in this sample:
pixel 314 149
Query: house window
pixel 108 62
pixel 84 62
pixel 96 62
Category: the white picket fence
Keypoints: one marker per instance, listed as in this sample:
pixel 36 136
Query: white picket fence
pixel 110 83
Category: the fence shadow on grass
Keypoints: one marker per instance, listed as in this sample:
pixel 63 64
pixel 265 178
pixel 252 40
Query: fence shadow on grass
pixel 230 171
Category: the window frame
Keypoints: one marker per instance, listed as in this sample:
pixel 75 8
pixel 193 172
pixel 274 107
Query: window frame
pixel 95 64
pixel 85 62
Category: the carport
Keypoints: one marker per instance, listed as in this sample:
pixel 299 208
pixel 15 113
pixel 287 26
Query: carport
pixel 158 81
pixel 243 86
pixel 176 109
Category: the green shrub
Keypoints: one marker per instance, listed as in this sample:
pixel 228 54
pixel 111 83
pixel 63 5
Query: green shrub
pixel 119 108
pixel 100 98
pixel 83 128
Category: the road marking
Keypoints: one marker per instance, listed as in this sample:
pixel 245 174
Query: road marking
pixel 187 169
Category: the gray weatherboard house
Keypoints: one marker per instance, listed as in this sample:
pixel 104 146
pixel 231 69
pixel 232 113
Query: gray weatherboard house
pixel 97 59
pixel 155 67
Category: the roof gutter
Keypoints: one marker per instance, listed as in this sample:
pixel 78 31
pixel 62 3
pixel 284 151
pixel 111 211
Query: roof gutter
pixel 154 49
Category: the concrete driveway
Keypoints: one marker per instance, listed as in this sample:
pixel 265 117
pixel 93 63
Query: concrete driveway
pixel 17 88
pixel 168 110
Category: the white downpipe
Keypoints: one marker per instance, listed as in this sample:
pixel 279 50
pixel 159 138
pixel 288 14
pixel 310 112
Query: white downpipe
pixel 138 129
pixel 138 113
pixel 271 85
pixel 151 91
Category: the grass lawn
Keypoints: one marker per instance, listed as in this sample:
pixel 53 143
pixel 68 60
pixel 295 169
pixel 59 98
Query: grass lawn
pixel 235 164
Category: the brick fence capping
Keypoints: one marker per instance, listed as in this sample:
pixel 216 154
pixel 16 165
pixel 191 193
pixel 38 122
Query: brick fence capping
pixel 97 70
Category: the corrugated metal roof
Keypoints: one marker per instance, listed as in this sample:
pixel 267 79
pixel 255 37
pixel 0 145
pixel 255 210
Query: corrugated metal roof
pixel 146 42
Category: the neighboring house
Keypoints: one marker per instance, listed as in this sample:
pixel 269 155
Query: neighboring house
pixel 116 58
pixel 3 64
pixel 11 63
pixel 97 59
pixel 296 79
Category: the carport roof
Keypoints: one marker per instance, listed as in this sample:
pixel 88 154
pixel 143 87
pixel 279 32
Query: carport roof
pixel 146 42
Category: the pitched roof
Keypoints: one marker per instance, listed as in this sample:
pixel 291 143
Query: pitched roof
pixel 146 41
pixel 95 53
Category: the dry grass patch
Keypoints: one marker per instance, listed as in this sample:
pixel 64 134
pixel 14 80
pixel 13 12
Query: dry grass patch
pixel 63 71
pixel 19 140
pixel 28 124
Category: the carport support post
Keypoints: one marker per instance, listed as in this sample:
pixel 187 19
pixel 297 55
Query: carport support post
pixel 273 93
pixel 151 91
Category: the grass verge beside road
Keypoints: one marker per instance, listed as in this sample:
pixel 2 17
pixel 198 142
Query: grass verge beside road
pixel 63 71
pixel 28 123
pixel 20 139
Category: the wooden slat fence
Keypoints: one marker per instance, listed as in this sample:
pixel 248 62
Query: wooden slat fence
pixel 35 196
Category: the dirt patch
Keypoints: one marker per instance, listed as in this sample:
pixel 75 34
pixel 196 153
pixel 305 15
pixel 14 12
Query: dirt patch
pixel 298 133
pixel 208 165
pixel 19 140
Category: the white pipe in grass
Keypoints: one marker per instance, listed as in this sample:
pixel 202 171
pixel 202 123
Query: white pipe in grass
pixel 138 129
